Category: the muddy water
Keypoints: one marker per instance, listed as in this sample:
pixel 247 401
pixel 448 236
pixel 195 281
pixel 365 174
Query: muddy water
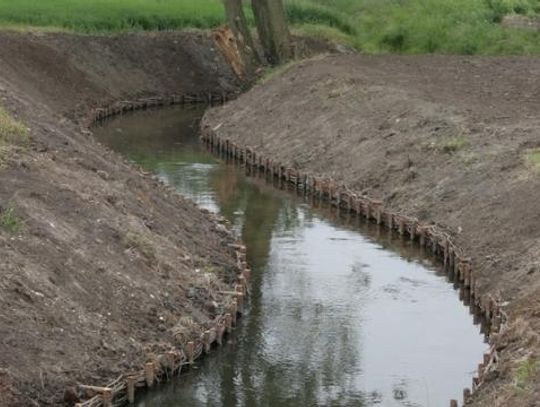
pixel 341 313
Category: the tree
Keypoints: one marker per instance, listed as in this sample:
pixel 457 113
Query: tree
pixel 237 21
pixel 273 30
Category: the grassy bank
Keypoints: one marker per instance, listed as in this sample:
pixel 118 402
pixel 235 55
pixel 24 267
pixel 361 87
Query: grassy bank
pixel 12 134
pixel 410 26
pixel 422 26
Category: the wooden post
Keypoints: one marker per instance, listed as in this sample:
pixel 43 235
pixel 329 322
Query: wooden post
pixel 130 384
pixel 234 311
pixel 240 302
pixel 466 396
pixel 228 322
pixel 480 370
pixel 172 361
pixel 220 330
pixel 149 374
pixel 378 216
pixel 414 227
pixel 247 275
pixel 422 236
pixel 206 341
pixel 190 350
pixel 243 284
pixel 107 397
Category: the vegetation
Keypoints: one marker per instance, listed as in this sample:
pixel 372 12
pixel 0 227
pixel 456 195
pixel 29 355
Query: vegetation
pixel 119 15
pixel 9 221
pixel 525 374
pixel 533 158
pixel 140 243
pixel 411 26
pixel 455 144
pixel 12 134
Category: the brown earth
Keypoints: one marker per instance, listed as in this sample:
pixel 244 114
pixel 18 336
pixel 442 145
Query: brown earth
pixel 107 260
pixel 447 139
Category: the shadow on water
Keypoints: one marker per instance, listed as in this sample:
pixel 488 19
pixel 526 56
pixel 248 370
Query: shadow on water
pixel 341 312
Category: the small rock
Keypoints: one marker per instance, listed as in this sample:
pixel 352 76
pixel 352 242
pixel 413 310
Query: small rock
pixel 103 174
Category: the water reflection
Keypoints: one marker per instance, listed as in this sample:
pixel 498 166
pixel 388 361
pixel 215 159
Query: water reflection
pixel 342 313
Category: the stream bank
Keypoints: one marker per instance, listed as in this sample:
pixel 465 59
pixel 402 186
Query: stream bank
pixel 447 140
pixel 103 264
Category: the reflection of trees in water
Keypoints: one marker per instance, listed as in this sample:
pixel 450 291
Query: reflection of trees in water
pixel 324 367
pixel 321 360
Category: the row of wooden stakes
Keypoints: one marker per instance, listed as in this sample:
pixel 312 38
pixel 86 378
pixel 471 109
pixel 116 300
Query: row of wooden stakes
pixel 123 389
pixel 125 106
pixel 170 364
pixel 343 198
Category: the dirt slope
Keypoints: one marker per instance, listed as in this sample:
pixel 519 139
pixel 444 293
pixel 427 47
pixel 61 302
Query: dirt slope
pixel 450 140
pixel 102 267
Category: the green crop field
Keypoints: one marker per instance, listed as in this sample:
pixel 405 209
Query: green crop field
pixel 408 26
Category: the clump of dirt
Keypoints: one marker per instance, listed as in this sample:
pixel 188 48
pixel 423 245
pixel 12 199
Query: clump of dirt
pixel 450 140
pixel 100 261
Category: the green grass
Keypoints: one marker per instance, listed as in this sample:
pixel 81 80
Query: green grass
pixel 9 221
pixel 454 144
pixel 92 16
pixel 136 241
pixel 533 158
pixel 525 374
pixel 12 134
pixel 433 26
pixel 374 26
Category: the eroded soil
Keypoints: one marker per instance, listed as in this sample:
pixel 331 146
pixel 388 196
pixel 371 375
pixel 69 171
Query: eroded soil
pixel 450 140
pixel 106 259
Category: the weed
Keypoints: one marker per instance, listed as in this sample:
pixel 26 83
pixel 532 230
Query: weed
pixel 525 374
pixel 454 144
pixel 9 221
pixel 533 158
pixel 276 70
pixel 12 134
pixel 136 241
pixel 210 270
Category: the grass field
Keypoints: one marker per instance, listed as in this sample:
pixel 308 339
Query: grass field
pixel 409 26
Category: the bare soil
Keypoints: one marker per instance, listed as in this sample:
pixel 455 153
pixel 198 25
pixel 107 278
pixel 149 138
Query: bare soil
pixel 107 259
pixel 447 139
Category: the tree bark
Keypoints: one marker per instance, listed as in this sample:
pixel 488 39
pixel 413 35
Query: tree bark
pixel 273 30
pixel 238 23
pixel 235 42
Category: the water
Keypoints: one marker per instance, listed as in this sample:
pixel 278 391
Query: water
pixel 341 312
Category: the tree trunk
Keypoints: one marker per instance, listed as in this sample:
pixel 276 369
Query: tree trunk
pixel 273 30
pixel 238 23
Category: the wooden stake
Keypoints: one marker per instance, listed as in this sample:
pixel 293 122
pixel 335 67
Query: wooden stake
pixel 149 374
pixel 130 384
pixel 107 397
pixel 206 341
pixel 190 352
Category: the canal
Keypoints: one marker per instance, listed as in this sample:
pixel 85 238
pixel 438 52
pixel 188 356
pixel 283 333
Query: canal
pixel 341 313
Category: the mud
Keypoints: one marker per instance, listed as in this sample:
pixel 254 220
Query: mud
pixel 105 263
pixel 443 139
